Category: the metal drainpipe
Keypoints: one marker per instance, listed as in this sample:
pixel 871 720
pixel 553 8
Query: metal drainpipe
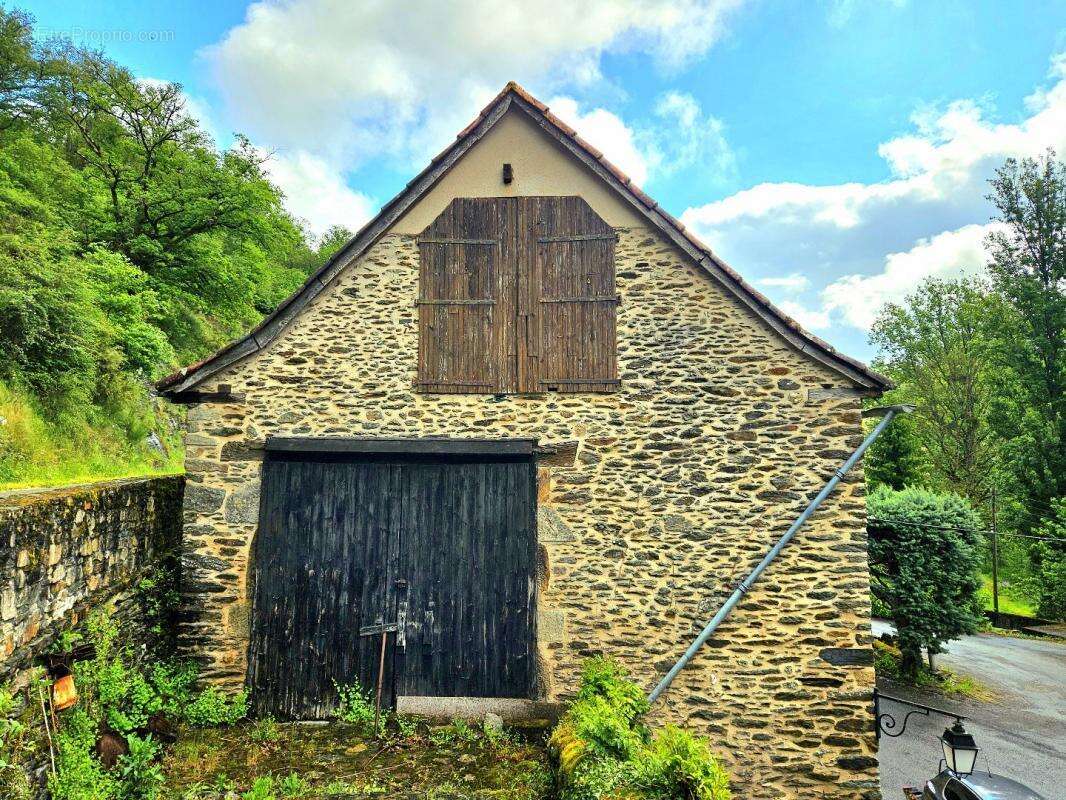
pixel 742 588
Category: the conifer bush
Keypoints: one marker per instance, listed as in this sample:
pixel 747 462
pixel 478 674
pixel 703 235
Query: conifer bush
pixel 923 566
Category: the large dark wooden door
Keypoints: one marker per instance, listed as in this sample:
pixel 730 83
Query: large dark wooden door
pixel 444 548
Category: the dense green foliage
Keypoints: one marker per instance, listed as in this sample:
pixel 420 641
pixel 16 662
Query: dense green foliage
pixel 1050 564
pixel 603 749
pixel 923 566
pixel 20 740
pixel 938 350
pixel 895 458
pixel 1028 269
pixel 128 244
pixel 984 361
pixel 120 695
pixel 355 705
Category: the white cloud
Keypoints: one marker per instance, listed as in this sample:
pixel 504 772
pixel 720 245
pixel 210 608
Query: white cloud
pixel 840 12
pixel 316 193
pixel 608 133
pixel 809 318
pixel 687 138
pixel 870 243
pixel 858 298
pixel 794 282
pixel 351 80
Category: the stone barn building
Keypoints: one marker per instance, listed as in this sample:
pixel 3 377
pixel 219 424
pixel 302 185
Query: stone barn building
pixel 523 418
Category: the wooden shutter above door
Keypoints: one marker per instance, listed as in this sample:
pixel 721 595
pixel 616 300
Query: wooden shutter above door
pixel 572 295
pixel 466 298
pixel 517 294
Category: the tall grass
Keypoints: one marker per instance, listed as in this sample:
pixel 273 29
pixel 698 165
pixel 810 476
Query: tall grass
pixel 80 445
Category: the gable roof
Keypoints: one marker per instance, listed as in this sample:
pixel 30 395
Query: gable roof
pixel 514 96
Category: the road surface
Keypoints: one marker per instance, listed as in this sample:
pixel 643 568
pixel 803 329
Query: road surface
pixel 1021 734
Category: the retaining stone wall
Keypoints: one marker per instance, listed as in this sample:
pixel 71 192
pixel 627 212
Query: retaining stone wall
pixel 64 552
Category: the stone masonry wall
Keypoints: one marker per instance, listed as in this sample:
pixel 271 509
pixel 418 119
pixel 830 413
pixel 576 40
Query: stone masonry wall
pixel 665 494
pixel 66 551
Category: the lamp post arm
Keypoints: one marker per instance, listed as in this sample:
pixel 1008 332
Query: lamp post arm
pixel 886 723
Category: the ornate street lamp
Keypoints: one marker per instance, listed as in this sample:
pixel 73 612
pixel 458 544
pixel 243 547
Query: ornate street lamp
pixel 960 750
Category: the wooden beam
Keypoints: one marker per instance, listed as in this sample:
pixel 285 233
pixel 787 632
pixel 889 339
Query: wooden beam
pixel 838 393
pixel 222 395
pixel 443 447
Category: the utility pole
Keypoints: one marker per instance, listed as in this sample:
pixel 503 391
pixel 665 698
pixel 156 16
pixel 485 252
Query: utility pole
pixel 995 564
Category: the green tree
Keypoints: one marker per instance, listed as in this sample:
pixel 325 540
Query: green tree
pixel 1028 268
pixel 128 242
pixel 20 72
pixel 895 459
pixel 938 347
pixel 923 567
pixel 1049 563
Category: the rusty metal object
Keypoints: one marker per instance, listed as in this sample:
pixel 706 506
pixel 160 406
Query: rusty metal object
pixel 64 693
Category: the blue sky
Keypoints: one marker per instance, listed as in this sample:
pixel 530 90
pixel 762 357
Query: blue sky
pixel 834 153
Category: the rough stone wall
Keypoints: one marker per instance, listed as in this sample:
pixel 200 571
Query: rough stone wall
pixel 66 551
pixel 673 488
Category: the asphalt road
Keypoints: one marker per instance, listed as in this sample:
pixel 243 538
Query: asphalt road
pixel 1021 734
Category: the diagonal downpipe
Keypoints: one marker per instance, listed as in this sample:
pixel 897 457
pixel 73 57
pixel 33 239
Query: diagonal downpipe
pixel 888 412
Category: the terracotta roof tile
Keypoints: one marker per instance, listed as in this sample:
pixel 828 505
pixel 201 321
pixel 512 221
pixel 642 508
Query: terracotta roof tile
pixel 558 123
pixel 625 179
pixel 597 154
pixel 643 197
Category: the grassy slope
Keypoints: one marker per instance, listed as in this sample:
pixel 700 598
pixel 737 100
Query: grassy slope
pixel 38 451
pixel 1010 602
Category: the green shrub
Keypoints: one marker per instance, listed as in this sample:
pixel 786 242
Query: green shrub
pixel 598 779
pixel 212 708
pixel 19 726
pixel 604 677
pixel 139 772
pixel 292 785
pixel 681 765
pixel 878 607
pixel 173 682
pixel 264 731
pixel 356 705
pixel 457 732
pixel 605 731
pixel 79 774
pixel 116 691
pixel 262 789
pixel 1049 564
pixel 603 749
pixel 111 689
pixel 923 565
pixel 406 726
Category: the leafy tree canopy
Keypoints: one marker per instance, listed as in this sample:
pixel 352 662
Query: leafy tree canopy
pixel 129 243
pixel 1028 268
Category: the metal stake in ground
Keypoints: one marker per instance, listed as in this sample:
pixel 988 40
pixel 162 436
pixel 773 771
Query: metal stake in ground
pixel 384 630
